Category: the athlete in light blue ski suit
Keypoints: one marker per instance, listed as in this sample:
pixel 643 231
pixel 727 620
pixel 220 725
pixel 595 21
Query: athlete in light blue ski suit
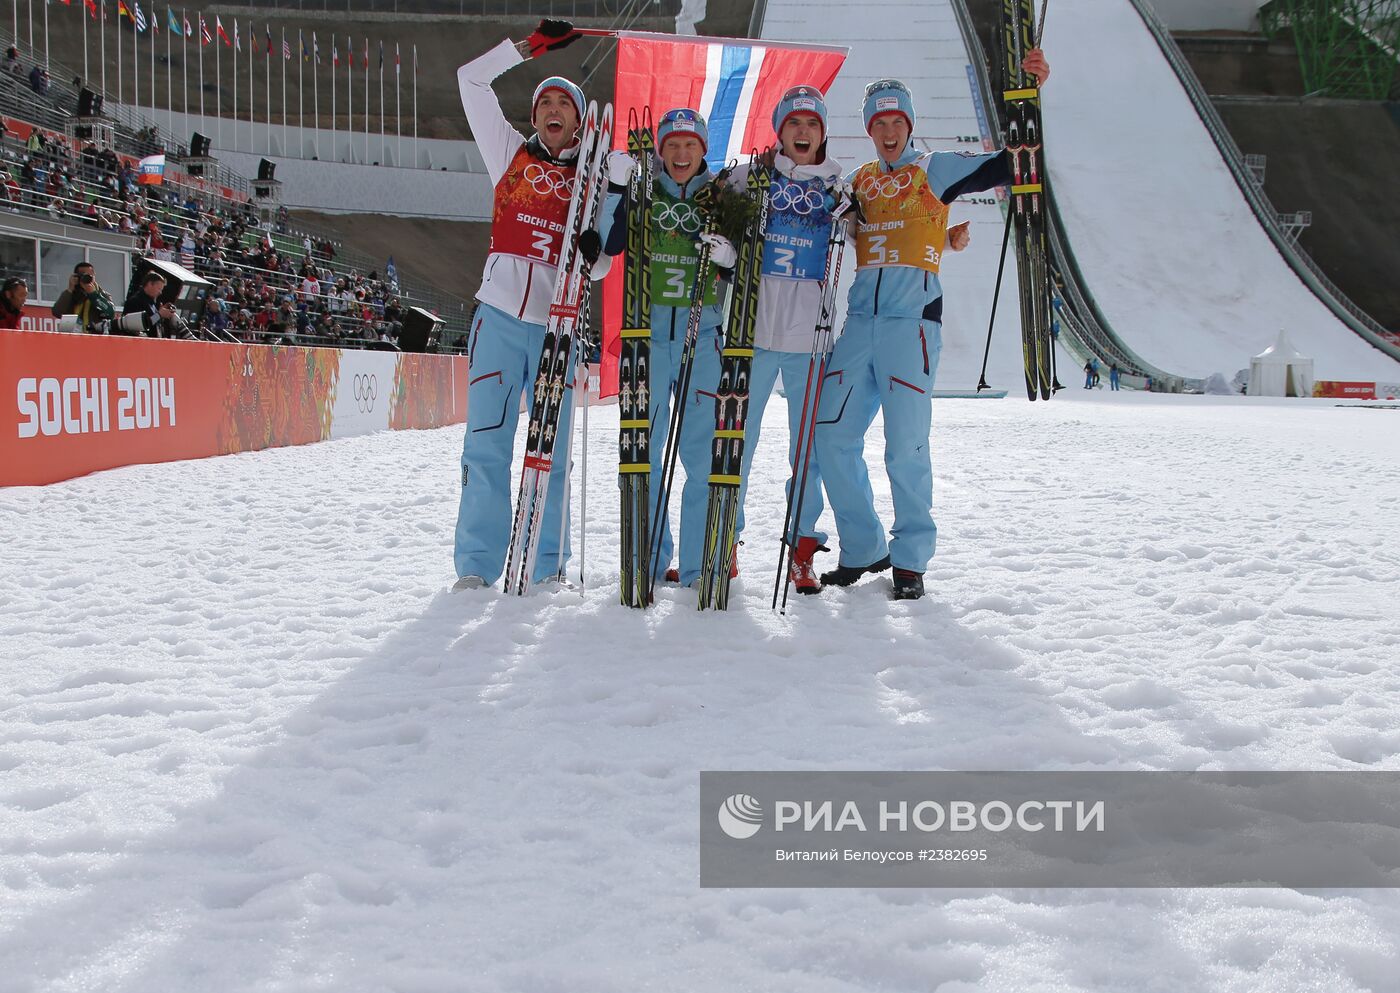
pixel 533 186
pixel 676 229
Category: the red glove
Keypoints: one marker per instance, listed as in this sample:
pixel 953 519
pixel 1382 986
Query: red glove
pixel 551 36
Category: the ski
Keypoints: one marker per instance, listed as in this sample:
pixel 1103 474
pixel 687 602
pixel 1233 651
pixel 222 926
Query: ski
pixel 1023 144
pixel 732 399
pixel 634 373
pixel 563 327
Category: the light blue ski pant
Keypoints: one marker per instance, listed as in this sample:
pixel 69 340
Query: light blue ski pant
pixel 887 364
pixel 697 433
pixel 794 366
pixel 505 353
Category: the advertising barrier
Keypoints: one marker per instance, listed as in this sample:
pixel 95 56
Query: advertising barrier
pixel 1356 391
pixel 74 404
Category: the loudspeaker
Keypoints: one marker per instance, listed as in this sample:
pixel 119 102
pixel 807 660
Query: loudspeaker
pixel 420 330
pixel 89 103
pixel 199 146
pixel 266 170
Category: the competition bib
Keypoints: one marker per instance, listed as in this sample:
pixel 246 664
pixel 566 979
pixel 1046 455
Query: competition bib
pixel 905 224
pixel 530 210
pixel 675 260
pixel 799 225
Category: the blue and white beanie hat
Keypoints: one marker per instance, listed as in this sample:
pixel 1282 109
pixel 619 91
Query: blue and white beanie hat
pixel 563 85
pixel 886 96
pixel 686 122
pixel 800 100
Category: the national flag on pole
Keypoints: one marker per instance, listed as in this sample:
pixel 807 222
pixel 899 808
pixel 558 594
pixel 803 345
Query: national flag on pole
pixel 219 29
pixel 286 50
pixel 204 35
pixel 91 6
pixel 189 32
pixel 268 28
pixel 305 52
pixel 396 58
pixel 140 18
pixel 381 54
pixel 122 10
pixel 152 171
pixel 733 83
pixel 173 24
pixel 155 20
pixel 335 54
pixel 315 48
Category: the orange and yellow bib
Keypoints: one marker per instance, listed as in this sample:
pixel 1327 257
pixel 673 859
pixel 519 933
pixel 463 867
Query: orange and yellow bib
pixel 531 208
pixel 905 223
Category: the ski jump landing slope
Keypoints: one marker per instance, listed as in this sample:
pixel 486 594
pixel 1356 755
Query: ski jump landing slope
pixel 1166 241
pixel 918 41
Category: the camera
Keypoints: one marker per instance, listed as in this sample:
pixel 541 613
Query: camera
pixel 86 279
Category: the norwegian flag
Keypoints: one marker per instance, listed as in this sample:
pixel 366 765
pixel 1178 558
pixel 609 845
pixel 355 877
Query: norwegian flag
pixel 204 36
pixel 734 84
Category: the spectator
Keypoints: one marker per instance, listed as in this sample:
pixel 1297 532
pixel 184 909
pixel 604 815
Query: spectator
pixel 1113 376
pixel 214 316
pixel 161 319
pixel 39 80
pixel 13 293
pixel 86 298
pixel 12 65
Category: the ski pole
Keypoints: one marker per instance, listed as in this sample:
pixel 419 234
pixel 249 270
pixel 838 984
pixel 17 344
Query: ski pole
pixel 996 294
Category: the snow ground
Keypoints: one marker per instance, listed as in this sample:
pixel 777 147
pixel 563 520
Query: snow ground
pixel 249 742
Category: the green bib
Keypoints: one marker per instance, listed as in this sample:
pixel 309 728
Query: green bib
pixel 675 226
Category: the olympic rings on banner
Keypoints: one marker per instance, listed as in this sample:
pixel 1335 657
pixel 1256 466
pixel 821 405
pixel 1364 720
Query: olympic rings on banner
pixel 366 387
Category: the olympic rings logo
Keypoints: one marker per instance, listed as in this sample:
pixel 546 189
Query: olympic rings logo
pixel 681 217
pixel 549 181
pixel 886 186
pixel 366 387
pixel 796 198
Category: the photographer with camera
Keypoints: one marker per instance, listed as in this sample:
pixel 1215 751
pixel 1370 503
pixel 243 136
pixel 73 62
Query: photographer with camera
pixel 86 298
pixel 153 317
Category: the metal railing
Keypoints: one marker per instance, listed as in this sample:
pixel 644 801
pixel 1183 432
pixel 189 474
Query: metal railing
pixel 461 8
pixel 1308 271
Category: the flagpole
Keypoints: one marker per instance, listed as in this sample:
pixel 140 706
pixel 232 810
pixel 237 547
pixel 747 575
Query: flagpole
pixel 381 101
pixel 252 93
pixel 316 95
pixel 101 43
pixel 218 92
pixel 185 60
pixel 415 105
pixel 135 66
pixel 335 64
pixel 301 104
pixel 199 47
pixel 235 86
pixel 46 34
pixel 83 15
pixel 398 115
pixel 153 64
pixel 267 86
pixel 350 96
pixel 284 90
pixel 366 101
pixel 118 29
pixel 31 27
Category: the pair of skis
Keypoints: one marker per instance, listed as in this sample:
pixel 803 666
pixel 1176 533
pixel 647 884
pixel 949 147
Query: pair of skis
pixel 634 371
pixel 564 329
pixel 732 399
pixel 1027 210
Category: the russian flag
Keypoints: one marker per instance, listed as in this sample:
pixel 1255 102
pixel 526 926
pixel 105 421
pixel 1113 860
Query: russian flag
pixel 152 170
pixel 734 83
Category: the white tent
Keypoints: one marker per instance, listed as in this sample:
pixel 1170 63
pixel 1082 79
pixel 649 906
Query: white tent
pixel 1280 371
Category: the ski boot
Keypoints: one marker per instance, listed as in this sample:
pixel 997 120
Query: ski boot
pixel 908 585
pixel 800 568
pixel 845 575
pixel 470 583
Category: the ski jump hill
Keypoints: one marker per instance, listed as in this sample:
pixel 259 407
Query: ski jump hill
pixel 1166 243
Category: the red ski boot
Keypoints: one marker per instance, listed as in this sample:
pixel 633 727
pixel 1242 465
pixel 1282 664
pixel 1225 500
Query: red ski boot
pixel 804 578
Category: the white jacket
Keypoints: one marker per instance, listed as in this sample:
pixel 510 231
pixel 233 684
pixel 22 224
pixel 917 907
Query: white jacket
pixel 521 288
pixel 788 308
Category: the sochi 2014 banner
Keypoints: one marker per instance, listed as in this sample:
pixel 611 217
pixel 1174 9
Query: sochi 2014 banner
pixel 73 404
pixel 733 83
